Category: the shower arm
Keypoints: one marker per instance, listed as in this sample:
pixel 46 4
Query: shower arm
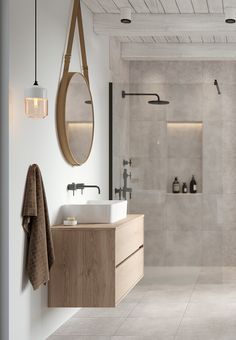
pixel 140 94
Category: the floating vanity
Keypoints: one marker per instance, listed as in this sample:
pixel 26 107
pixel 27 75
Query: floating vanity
pixel 96 264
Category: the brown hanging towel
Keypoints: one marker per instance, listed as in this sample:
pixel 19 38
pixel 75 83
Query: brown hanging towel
pixel 37 226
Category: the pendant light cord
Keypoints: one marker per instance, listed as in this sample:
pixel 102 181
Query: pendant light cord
pixel 35 43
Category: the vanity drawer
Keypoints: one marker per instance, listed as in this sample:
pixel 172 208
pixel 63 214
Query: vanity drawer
pixel 128 238
pixel 128 274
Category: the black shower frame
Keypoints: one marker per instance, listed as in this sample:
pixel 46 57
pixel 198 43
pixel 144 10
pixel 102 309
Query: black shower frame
pixel 110 141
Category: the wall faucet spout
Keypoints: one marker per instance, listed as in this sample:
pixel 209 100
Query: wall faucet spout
pixel 82 186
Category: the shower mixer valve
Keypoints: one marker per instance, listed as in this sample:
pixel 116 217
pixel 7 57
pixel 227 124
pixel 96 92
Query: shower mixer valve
pixel 118 191
pixel 125 188
pixel 126 175
pixel 129 162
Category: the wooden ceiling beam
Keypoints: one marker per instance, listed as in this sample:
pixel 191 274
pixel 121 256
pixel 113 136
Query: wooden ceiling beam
pixel 148 51
pixel 163 24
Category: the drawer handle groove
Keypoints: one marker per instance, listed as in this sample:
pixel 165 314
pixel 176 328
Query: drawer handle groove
pixel 129 256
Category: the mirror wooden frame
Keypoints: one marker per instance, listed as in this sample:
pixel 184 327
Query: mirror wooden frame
pixel 61 121
pixel 64 84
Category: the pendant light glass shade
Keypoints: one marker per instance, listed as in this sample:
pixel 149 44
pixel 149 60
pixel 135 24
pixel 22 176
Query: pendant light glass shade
pixel 36 102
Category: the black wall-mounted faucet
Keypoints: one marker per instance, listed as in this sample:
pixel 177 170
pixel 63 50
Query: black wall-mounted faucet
pixel 81 186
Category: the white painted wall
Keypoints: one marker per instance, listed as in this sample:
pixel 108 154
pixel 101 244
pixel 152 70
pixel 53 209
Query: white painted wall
pixel 35 141
pixel 4 169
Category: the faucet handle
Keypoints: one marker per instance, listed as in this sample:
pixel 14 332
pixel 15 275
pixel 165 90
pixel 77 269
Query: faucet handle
pixel 118 191
pixel 81 187
pixel 130 195
pixel 72 187
pixel 129 162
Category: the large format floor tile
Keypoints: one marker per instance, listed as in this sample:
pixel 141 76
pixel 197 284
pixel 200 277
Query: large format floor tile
pixel 79 337
pixel 217 275
pixel 90 326
pixel 155 327
pixel 176 276
pixel 216 327
pixel 136 294
pixel 211 310
pixel 229 275
pixel 144 337
pixel 205 336
pixel 170 294
pixel 170 303
pixel 210 293
pixel 121 311
pixel 159 310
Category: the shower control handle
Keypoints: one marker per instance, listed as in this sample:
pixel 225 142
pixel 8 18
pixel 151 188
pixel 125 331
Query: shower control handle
pixel 129 162
pixel 118 191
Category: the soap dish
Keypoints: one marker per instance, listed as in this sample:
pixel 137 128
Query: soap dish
pixel 68 222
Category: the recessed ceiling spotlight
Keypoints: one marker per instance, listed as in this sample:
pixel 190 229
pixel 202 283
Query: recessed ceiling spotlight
pixel 125 15
pixel 230 15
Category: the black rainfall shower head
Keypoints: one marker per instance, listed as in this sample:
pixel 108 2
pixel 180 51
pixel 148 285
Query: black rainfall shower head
pixel 158 101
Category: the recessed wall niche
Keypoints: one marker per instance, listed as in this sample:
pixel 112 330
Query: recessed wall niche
pixel 184 153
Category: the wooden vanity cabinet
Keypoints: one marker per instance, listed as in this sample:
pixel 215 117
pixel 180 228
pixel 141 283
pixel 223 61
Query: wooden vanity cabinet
pixel 96 264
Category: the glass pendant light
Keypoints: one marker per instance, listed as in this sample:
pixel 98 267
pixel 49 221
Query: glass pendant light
pixel 36 102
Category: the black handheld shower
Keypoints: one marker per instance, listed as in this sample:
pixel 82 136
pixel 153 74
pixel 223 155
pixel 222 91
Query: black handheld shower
pixel 217 86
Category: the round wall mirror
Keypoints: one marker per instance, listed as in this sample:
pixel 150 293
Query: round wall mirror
pixel 75 118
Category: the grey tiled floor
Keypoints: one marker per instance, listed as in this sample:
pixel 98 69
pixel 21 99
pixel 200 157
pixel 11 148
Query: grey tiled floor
pixel 170 303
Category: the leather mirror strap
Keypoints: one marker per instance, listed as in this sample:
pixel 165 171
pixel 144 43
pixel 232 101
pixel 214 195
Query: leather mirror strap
pixel 82 42
pixel 76 14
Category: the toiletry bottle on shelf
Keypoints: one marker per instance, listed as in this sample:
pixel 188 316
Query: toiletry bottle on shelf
pixel 176 186
pixel 193 185
pixel 184 188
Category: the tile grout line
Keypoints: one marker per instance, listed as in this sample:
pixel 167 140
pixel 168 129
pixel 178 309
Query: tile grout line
pixel 112 317
pixel 136 304
pixel 115 333
pixel 125 319
pixel 191 294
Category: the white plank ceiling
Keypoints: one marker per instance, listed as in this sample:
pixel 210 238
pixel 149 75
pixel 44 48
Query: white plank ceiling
pixel 160 6
pixel 223 35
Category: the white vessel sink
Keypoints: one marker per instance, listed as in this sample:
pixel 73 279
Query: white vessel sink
pixel 95 211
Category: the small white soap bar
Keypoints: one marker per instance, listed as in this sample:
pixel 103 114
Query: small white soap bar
pixel 70 222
